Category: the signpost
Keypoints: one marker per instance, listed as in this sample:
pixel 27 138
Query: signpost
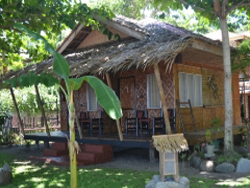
pixel 168 147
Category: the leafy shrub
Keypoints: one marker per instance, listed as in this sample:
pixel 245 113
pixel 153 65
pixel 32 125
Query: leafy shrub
pixel 232 158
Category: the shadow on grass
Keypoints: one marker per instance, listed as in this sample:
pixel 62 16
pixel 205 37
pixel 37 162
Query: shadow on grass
pixel 27 174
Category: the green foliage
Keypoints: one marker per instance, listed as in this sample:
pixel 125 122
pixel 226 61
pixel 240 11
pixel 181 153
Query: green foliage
pixel 129 8
pixel 106 97
pixel 232 158
pixel 46 17
pixel 189 19
pixel 216 124
pixel 27 99
pixel 241 59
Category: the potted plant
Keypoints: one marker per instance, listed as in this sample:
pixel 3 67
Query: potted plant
pixel 209 145
pixel 211 136
pixel 216 124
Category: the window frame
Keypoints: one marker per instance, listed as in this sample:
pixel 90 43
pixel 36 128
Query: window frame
pixel 148 94
pixel 88 99
pixel 188 89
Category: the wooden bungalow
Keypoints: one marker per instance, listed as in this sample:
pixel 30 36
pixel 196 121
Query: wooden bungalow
pixel 190 68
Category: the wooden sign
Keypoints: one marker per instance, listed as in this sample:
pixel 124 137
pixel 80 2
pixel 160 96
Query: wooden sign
pixel 169 165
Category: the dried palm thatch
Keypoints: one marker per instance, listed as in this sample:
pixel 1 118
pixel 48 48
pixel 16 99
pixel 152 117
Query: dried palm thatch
pixel 162 42
pixel 170 143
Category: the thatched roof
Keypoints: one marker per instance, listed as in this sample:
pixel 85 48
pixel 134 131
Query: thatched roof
pixel 161 42
pixel 170 143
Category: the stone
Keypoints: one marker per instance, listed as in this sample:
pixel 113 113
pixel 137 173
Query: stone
pixel 225 168
pixel 169 184
pixel 185 182
pixel 243 166
pixel 5 175
pixel 155 179
pixel 207 166
pixel 156 183
pixel 195 162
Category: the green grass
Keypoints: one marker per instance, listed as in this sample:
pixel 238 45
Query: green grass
pixel 28 174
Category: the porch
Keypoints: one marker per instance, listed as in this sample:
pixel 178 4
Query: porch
pixel 130 141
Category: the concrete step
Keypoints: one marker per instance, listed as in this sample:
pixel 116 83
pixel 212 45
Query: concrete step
pixel 87 156
pixel 59 145
pixel 94 148
pixel 54 153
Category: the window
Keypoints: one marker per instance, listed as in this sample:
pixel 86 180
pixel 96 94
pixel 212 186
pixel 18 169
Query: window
pixel 190 87
pixel 153 95
pixel 91 97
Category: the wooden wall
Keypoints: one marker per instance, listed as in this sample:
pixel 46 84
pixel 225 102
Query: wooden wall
pixel 213 99
pixel 124 83
pixel 140 91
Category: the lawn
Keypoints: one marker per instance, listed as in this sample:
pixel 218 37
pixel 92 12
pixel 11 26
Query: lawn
pixel 37 175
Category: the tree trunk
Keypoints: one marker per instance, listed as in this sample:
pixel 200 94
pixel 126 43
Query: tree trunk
pixel 72 148
pixel 228 135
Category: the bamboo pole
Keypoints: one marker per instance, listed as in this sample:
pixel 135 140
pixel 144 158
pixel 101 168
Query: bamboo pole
pixel 117 121
pixel 163 100
pixel 17 111
pixel 77 121
pixel 42 110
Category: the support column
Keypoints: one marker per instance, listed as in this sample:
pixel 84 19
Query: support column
pixel 17 111
pixel 42 110
pixel 164 103
pixel 117 121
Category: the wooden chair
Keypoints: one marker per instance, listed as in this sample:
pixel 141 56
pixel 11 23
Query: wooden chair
pixel 97 124
pixel 139 122
pixel 144 121
pixel 85 122
pixel 158 123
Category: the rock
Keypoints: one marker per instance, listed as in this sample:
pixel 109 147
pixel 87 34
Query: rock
pixel 225 168
pixel 155 179
pixel 156 183
pixel 243 166
pixel 6 167
pixel 207 166
pixel 169 184
pixel 185 182
pixel 195 162
pixel 5 175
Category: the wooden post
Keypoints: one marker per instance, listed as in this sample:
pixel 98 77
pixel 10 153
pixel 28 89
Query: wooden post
pixel 17 111
pixel 162 165
pixel 177 173
pixel 117 121
pixel 164 103
pixel 77 121
pixel 42 110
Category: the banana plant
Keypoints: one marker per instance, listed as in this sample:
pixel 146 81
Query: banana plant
pixel 106 97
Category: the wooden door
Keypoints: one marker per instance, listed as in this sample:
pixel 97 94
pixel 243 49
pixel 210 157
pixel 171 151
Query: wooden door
pixel 127 93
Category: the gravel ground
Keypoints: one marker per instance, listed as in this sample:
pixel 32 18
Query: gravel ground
pixel 136 159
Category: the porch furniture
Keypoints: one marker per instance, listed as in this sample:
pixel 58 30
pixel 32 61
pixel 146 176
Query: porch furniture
pixel 141 121
pixel 97 124
pixel 144 121
pixel 158 123
pixel 85 122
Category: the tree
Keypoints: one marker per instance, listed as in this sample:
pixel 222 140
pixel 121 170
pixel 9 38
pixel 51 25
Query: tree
pixel 27 100
pixel 47 17
pixel 219 9
pixel 106 97
pixel 130 8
